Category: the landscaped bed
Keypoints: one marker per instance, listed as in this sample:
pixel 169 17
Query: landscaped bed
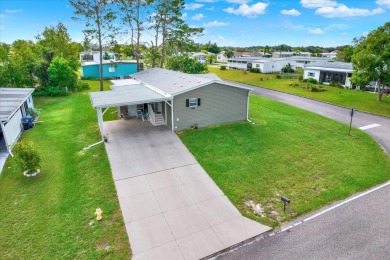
pixel 362 100
pixel 51 216
pixel 288 151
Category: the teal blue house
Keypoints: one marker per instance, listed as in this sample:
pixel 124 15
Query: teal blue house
pixel 111 70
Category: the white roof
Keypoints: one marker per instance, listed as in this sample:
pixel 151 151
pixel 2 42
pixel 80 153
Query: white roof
pixel 11 99
pixel 169 82
pixel 330 66
pixel 153 85
pixel 125 96
pixel 124 82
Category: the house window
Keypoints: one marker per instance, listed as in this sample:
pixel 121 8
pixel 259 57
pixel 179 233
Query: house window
pixel 257 65
pixel 311 74
pixel 193 102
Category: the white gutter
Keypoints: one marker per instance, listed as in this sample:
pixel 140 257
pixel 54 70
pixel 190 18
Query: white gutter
pixel 173 120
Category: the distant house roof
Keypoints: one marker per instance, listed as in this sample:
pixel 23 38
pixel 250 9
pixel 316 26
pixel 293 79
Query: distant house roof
pixel 104 62
pixel 11 99
pixel 330 66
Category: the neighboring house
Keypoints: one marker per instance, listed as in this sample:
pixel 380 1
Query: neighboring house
pixel 246 54
pixel 111 69
pixel 221 57
pixel 175 99
pixel 266 65
pixel 330 55
pixel 95 56
pixel 300 62
pixel 199 56
pixel 288 54
pixel 14 104
pixel 327 71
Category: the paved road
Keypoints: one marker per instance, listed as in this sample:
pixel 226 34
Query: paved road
pixel 380 133
pixel 358 229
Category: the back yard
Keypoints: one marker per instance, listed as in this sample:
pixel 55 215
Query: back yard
pixel 362 100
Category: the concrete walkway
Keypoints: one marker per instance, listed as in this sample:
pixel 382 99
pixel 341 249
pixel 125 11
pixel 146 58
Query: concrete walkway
pixel 171 207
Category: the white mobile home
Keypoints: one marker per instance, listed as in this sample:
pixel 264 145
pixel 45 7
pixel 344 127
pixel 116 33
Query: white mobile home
pixel 266 65
pixel 328 72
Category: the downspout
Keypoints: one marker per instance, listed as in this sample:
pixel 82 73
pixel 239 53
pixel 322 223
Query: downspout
pixel 8 146
pixel 173 129
pixel 247 109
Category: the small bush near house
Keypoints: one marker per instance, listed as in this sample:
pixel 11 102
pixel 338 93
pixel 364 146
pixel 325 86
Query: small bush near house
pixel 223 67
pixel 278 76
pixel 27 156
pixel 32 111
pixel 82 85
pixel 300 78
pixel 255 70
pixel 312 81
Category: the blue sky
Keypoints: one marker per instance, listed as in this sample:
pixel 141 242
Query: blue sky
pixel 227 22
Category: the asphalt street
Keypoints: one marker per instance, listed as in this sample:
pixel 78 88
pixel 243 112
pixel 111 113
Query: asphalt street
pixel 356 228
pixel 380 133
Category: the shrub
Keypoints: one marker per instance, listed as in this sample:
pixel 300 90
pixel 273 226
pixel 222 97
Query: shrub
pixel 278 76
pixel 82 85
pixel 314 89
pixel 223 67
pixel 312 80
pixel 27 156
pixel 300 78
pixel 50 92
pixel 255 70
pixel 32 111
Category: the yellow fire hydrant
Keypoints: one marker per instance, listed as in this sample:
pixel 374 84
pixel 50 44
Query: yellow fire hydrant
pixel 98 214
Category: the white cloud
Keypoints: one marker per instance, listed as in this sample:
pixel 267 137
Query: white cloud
pixel 247 10
pixel 198 17
pixel 318 3
pixel 13 11
pixel 207 1
pixel 211 8
pixel 292 12
pixel 384 3
pixel 215 23
pixel 344 11
pixel 238 1
pixel 337 26
pixel 184 16
pixel 192 6
pixel 315 30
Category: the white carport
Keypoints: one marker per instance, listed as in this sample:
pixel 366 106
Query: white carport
pixel 124 95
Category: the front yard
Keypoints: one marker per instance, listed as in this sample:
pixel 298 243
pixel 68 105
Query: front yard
pixel 308 158
pixel 363 101
pixel 52 216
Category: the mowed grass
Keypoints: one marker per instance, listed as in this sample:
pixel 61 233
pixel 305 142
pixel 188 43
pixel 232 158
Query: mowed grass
pixel 362 100
pixel 51 216
pixel 303 156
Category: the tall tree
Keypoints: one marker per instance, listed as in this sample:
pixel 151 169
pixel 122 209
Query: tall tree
pixel 99 19
pixel 371 58
pixel 345 54
pixel 133 16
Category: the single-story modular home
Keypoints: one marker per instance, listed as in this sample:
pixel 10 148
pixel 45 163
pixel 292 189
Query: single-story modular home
pixel 175 99
pixel 328 71
pixel 14 104
pixel 266 65
pixel 111 69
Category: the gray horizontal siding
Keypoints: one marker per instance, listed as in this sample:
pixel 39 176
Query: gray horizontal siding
pixel 219 104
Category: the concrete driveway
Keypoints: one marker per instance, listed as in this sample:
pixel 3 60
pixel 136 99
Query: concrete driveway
pixel 171 207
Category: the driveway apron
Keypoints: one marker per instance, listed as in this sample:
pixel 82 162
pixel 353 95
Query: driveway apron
pixel 171 207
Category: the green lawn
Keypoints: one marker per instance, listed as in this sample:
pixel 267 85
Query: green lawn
pixel 52 216
pixel 362 100
pixel 289 151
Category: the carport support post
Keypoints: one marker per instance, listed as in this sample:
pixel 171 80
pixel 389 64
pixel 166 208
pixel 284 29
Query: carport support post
pixel 100 121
